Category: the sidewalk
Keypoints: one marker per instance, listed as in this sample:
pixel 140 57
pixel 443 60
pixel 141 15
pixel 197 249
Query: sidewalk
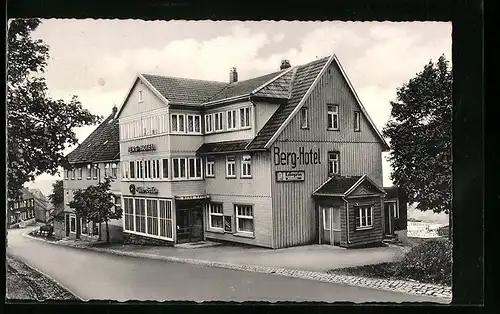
pixel 307 262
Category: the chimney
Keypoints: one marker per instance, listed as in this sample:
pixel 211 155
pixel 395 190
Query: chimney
pixel 233 76
pixel 285 64
pixel 115 109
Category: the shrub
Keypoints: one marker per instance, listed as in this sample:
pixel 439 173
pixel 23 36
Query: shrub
pixel 429 261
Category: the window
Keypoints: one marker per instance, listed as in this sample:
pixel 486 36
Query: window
pixel 155 170
pixel 89 172
pixel 245 117
pixel 166 224
pixel 357 121
pixel 231 119
pixel 364 217
pixel 114 170
pixel 140 169
pixel 178 123
pixel 93 229
pixel 106 170
pixel 244 218
pixel 83 226
pixel 215 216
pixel 96 169
pixel 80 173
pixel 333 117
pixel 152 217
pixel 218 126
pixel 140 215
pixel 66 174
pixel 165 168
pixel 195 168
pixel 230 167
pixel 125 170
pixel 73 174
pixel 193 124
pixel 140 96
pixel 72 223
pixel 304 118
pixel 155 125
pixel 210 163
pixel 208 123
pixel 132 169
pixel 246 169
pixel 147 169
pixel 333 163
pixel 128 213
pixel 179 168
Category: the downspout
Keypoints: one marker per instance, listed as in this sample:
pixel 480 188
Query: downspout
pixel 347 218
pixel 254 114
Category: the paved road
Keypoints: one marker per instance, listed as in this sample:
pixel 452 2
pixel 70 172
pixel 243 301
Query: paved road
pixel 94 275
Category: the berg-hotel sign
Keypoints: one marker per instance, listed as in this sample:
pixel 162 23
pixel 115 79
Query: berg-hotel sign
pixel 294 159
pixel 142 148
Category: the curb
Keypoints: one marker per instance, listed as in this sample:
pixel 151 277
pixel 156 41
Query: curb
pixel 408 287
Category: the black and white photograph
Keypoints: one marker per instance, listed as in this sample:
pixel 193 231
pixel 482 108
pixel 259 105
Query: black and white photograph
pixel 229 161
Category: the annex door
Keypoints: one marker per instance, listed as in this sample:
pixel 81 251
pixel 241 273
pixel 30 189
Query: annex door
pixel 196 224
pixel 189 224
pixel 67 224
pixel 389 209
pixel 331 229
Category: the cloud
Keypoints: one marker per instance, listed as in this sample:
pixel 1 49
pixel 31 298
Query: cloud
pixel 278 38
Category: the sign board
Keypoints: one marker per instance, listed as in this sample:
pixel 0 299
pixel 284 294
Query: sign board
pixel 142 148
pixel 142 189
pixel 227 224
pixel 290 176
pixel 191 197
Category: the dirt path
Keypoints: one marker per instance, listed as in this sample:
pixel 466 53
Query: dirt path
pixel 24 283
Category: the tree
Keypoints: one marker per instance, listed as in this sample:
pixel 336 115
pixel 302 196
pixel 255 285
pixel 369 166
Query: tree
pixel 96 203
pixel 57 196
pixel 38 127
pixel 420 138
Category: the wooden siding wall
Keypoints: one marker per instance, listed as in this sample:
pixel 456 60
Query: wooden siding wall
pixel 295 220
pixel 362 237
pixel 133 107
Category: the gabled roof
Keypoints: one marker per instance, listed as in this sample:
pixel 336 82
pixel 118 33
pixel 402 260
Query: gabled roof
pixel 101 145
pixel 183 90
pixel 344 185
pixel 26 194
pixel 222 147
pixel 302 81
pixel 38 194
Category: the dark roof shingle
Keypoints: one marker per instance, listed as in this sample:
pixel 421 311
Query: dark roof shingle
pixel 102 144
pixel 183 90
pixel 302 79
pixel 222 147
pixel 337 185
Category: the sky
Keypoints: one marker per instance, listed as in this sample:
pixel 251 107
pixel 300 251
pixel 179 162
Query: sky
pixel 97 60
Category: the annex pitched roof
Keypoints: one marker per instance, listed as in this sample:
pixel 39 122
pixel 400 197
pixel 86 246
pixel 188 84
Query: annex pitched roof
pixel 222 147
pixel 344 185
pixel 101 145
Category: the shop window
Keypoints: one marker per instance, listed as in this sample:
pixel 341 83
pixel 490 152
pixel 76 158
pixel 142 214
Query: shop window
pixel 244 218
pixel 165 218
pixel 128 213
pixel 152 217
pixel 140 215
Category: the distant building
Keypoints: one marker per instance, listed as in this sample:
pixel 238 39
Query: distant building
pixel 42 206
pixel 21 212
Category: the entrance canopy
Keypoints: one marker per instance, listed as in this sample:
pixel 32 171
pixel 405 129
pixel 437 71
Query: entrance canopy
pixel 346 186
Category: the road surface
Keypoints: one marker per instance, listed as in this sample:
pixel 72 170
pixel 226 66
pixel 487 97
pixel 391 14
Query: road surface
pixel 98 276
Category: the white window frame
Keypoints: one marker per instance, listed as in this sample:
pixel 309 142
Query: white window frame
pixel 95 169
pixel 73 174
pixel 163 167
pixel 246 166
pixel 211 213
pixel 140 96
pixel 238 217
pixel 210 167
pixel 188 168
pixel 228 164
pixel 335 162
pixel 231 125
pixel 66 174
pixel 106 170
pixel 114 170
pixel 209 123
pixel 80 173
pixel 169 212
pixel 333 116
pixel 363 217
pixel 147 169
pixel 219 117
pixel 304 118
pixel 72 216
pixel 194 117
pixel 177 119
pixel 179 168
pixel 357 121
pixel 132 172
pixel 155 169
pixel 246 113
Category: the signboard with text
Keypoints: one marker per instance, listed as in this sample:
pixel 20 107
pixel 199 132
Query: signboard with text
pixel 290 176
pixel 142 148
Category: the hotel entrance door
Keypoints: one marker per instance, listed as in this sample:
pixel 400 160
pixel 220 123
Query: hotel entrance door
pixel 189 224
